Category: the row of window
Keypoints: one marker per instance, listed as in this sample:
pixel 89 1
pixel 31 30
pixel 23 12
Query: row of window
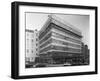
pixel 65 38
pixel 69 27
pixel 65 43
pixel 52 47
pixel 28 59
pixel 31 34
pixel 32 51
pixel 31 45
pixel 46 43
pixel 45 38
pixel 45 49
pixel 59 36
pixel 65 31
pixel 31 41
pixel 45 31
pixel 65 49
pixel 59 29
pixel 59 42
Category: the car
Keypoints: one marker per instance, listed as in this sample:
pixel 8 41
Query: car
pixel 40 65
pixel 67 64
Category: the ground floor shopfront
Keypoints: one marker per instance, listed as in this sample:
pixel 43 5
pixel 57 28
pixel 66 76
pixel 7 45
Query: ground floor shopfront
pixel 61 58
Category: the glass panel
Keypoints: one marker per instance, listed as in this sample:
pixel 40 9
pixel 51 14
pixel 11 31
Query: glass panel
pixel 65 38
pixel 65 43
pixel 60 48
pixel 45 31
pixel 44 39
pixel 46 43
pixel 65 31
pixel 46 49
pixel 65 49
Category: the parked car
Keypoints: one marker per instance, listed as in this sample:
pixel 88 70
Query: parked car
pixel 40 65
pixel 67 64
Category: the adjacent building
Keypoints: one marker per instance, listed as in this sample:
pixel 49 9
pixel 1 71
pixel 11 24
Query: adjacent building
pixel 31 47
pixel 85 53
pixel 59 42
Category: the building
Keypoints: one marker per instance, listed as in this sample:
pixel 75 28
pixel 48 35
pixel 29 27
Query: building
pixel 85 53
pixel 59 42
pixel 31 47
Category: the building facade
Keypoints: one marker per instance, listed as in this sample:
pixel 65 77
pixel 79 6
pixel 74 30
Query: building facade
pixel 32 49
pixel 85 53
pixel 59 42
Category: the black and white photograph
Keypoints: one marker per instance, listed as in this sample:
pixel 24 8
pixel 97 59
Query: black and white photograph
pixel 56 40
pixel 50 40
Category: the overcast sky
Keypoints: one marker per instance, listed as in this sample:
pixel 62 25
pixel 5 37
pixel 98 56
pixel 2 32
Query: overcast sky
pixel 37 20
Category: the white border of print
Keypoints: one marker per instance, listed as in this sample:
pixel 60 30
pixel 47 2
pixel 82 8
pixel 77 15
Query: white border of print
pixel 54 70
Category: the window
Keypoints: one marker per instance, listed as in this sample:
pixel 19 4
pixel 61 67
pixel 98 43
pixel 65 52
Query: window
pixel 32 51
pixel 45 38
pixel 66 43
pixel 36 34
pixel 45 49
pixel 36 49
pixel 32 35
pixel 36 39
pixel 46 43
pixel 32 40
pixel 27 34
pixel 46 30
pixel 58 28
pixel 36 44
pixel 66 38
pixel 27 59
pixel 27 51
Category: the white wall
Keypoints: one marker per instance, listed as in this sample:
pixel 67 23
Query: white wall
pixel 5 42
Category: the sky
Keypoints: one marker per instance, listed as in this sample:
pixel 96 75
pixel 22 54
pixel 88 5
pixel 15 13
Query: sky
pixel 37 20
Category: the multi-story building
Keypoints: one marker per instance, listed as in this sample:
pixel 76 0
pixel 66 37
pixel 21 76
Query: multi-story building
pixel 59 42
pixel 85 53
pixel 31 47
